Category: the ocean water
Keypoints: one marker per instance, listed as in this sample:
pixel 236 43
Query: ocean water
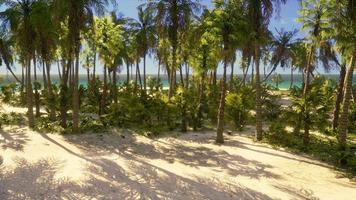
pixel 285 84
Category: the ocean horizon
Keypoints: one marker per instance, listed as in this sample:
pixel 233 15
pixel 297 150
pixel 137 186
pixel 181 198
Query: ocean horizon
pixel 285 84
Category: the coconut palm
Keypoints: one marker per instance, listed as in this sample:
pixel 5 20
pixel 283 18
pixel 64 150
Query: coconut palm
pixel 78 13
pixel 344 26
pixel 226 21
pixel 172 17
pixel 18 16
pixel 144 29
pixel 258 15
pixel 6 52
pixel 313 13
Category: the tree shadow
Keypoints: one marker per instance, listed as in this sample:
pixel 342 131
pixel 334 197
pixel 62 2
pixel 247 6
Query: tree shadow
pixel 298 193
pixel 14 139
pixel 33 181
pixel 173 151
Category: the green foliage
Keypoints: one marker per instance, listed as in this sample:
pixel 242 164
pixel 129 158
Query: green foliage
pixel 8 92
pixel 12 118
pixel 324 149
pixel 238 106
pixel 319 100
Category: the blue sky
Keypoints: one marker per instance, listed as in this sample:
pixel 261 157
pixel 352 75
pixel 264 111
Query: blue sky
pixel 285 19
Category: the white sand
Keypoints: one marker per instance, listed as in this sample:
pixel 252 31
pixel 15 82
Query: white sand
pixel 123 165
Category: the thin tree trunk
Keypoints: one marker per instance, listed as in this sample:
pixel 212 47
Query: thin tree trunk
pixel 144 73
pixel 29 93
pixel 103 98
pixel 127 75
pixel 181 76
pixel 346 103
pixel 52 107
pixel 258 96
pixel 305 95
pixel 12 73
pixel 64 91
pixel 59 71
pixel 76 93
pixel 339 96
pixel 232 71
pixel 214 77
pixel 186 75
pixel 114 82
pixel 221 111
pixel 291 77
pixel 37 94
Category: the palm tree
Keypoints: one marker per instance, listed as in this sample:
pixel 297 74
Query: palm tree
pixel 313 14
pixel 78 13
pixel 144 29
pixel 226 21
pixel 18 15
pixel 258 15
pixel 281 50
pixel 344 27
pixel 6 52
pixel 171 17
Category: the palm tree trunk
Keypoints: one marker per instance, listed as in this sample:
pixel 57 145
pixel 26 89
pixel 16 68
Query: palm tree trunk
pixel 52 107
pixel 221 111
pixel 59 70
pixel 186 75
pixel 114 82
pixel 232 72
pixel 127 75
pixel 37 94
pixel 144 73
pixel 63 92
pixel 29 93
pixel 103 99
pixel 305 95
pixel 291 77
pixel 181 76
pixel 76 93
pixel 214 77
pixel 346 103
pixel 339 95
pixel 258 96
pixel 12 73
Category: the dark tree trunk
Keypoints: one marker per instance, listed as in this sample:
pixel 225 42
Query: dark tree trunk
pixel 29 94
pixel 63 92
pixel 76 93
pixel 305 95
pixel 346 103
pixel 339 96
pixel 37 94
pixel 104 96
pixel 221 111
pixel 52 107
pixel 114 82
pixel 259 131
pixel 144 73
pixel 291 77
pixel 127 75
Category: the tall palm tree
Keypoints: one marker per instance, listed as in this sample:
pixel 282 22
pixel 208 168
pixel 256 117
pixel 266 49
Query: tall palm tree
pixel 18 16
pixel 171 17
pixel 313 14
pixel 145 35
pixel 226 21
pixel 281 50
pixel 258 15
pixel 6 52
pixel 344 24
pixel 78 13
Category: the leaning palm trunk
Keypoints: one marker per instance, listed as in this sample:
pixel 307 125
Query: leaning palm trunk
pixel 258 97
pixel 346 103
pixel 221 111
pixel 305 95
pixel 339 95
pixel 29 95
pixel 291 77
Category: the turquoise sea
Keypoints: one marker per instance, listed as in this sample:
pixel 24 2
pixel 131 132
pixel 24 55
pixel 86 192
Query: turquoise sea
pixel 285 84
